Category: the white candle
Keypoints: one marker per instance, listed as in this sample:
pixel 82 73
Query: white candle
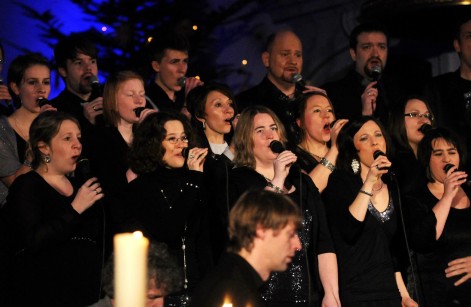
pixel 130 269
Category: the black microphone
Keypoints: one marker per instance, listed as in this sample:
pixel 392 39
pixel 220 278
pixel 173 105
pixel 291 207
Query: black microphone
pixel 185 152
pixel 138 111
pixel 425 128
pixel 376 72
pixel 42 101
pixel 96 87
pixel 378 153
pixel 277 147
pixel 181 82
pixel 299 82
pixel 83 171
pixel 447 167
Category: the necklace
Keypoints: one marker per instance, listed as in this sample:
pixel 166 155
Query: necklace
pixel 312 154
pixel 22 134
pixel 379 188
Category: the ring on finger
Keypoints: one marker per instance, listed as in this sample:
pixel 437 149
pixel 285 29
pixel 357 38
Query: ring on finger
pixel 94 108
pixel 191 157
pixel 96 191
pixel 377 167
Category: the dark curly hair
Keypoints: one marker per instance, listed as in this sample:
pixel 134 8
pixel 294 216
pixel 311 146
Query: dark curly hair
pixel 161 266
pixel 347 149
pixel 146 152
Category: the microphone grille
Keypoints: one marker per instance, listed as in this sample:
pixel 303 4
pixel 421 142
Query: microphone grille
pixel 277 146
pixel 297 78
pixel 378 153
pixel 93 80
pixel 376 72
pixel 181 81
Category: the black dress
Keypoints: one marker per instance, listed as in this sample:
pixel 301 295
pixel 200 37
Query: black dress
pixel 299 285
pixel 56 251
pixel 168 205
pixel 367 251
pixel 432 255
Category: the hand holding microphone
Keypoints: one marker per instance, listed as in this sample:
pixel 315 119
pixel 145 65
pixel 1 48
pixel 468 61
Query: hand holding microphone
pixel 454 178
pixel 285 160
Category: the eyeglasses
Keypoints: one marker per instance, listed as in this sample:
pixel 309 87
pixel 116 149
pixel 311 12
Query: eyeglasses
pixel 174 140
pixel 416 114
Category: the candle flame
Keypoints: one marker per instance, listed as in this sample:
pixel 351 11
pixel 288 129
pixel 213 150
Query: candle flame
pixel 227 301
pixel 137 235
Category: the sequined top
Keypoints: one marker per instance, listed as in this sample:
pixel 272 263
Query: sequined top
pixel 9 160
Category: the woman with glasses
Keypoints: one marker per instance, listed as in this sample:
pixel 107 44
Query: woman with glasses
pixel 29 80
pixel 258 167
pixel 409 121
pixel 438 216
pixel 166 201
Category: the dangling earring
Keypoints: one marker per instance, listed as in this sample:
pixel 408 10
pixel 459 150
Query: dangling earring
pixel 355 166
pixel 204 124
pixel 47 158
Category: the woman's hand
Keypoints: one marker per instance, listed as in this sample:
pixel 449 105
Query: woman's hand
pixel 460 266
pixel 378 168
pixel 452 182
pixel 146 112
pixel 87 195
pixel 335 130
pixel 282 165
pixel 196 158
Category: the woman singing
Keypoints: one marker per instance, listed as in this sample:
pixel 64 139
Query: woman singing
pixel 438 216
pixel 363 216
pixel 258 167
pixel 53 227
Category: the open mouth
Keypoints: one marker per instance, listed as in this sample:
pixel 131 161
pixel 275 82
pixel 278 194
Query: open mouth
pixel 228 120
pixel 326 128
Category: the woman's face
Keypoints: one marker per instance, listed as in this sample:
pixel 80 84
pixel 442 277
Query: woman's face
pixel 317 118
pixel 64 148
pixel 367 140
pixel 219 111
pixel 130 96
pixel 412 124
pixel 265 131
pixel 173 157
pixel 36 83
pixel 443 153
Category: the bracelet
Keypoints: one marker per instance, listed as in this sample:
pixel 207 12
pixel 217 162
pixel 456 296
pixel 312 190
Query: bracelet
pixel 27 163
pixel 274 187
pixel 367 193
pixel 327 164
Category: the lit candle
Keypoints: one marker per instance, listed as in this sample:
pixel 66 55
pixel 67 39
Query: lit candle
pixel 227 301
pixel 130 269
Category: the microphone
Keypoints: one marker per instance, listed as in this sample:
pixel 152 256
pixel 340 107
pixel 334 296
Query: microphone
pixel 425 128
pixel 376 72
pixel 378 153
pixel 299 82
pixel 138 111
pixel 447 167
pixel 96 88
pixel 83 171
pixel 42 101
pixel 277 147
pixel 181 81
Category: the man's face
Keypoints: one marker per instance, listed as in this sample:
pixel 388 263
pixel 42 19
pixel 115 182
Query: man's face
pixel 284 59
pixel 78 72
pixel 170 69
pixel 281 245
pixel 463 45
pixel 371 50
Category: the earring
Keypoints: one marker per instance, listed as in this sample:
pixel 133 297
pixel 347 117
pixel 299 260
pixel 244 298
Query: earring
pixel 355 166
pixel 204 125
pixel 47 158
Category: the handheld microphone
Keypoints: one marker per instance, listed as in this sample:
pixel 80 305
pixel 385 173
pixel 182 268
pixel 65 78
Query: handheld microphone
pixel 96 87
pixel 277 147
pixel 425 128
pixel 138 111
pixel 447 167
pixel 83 171
pixel 378 153
pixel 181 81
pixel 42 101
pixel 376 72
pixel 299 82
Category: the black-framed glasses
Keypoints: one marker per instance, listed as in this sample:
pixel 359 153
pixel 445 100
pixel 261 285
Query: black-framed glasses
pixel 174 140
pixel 428 116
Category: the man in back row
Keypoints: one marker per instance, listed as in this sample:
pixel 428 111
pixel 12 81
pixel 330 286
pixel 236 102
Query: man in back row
pixel 263 234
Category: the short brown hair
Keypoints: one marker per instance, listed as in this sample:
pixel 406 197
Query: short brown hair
pixel 263 208
pixel 243 136
pixel 110 94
